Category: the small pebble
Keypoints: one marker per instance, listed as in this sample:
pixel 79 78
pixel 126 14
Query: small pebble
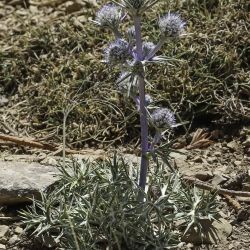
pixel 2 247
pixel 3 230
pixel 18 230
pixel 13 240
pixel 237 163
pixel 3 240
pixel 197 159
pixel 233 145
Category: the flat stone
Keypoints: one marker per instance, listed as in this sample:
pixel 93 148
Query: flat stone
pixel 217 154
pixel 19 2
pixel 18 230
pixel 212 160
pixel 132 159
pixel 13 240
pixel 212 232
pixel 82 19
pixel 246 187
pixel 2 247
pixel 218 179
pixel 237 163
pixel 3 240
pixel 3 100
pixel 233 145
pixel 246 143
pixel 3 230
pixel 197 159
pixel 21 181
pixel 179 156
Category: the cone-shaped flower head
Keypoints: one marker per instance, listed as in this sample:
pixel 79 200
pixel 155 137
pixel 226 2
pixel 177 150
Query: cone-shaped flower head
pixel 163 118
pixel 118 52
pixel 109 16
pixel 171 25
pixel 147 47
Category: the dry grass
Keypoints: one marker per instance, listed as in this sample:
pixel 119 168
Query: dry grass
pixel 57 63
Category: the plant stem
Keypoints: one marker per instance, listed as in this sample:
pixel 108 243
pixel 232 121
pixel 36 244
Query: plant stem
pixel 143 111
pixel 64 136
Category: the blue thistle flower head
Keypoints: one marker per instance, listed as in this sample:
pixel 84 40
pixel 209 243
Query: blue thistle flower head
pixel 163 118
pixel 171 25
pixel 118 52
pixel 109 16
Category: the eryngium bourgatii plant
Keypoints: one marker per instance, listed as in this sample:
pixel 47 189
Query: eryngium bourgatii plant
pixel 132 55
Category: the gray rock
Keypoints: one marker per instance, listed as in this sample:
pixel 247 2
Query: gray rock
pixel 132 159
pixel 246 187
pixel 197 159
pixel 218 179
pixel 246 143
pixel 18 230
pixel 179 156
pixel 3 240
pixel 2 247
pixel 3 100
pixel 82 19
pixel 20 181
pixel 217 154
pixel 233 145
pixel 13 240
pixel 180 159
pixel 237 163
pixel 3 230
pixel 212 232
pixel 211 160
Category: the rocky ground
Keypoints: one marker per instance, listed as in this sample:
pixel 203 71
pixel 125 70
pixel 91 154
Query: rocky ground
pixel 222 164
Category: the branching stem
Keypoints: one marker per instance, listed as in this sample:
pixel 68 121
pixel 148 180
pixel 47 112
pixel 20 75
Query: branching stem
pixel 143 111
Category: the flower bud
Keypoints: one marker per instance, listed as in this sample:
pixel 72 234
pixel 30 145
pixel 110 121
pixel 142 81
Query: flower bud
pixel 118 52
pixel 109 16
pixel 163 118
pixel 171 25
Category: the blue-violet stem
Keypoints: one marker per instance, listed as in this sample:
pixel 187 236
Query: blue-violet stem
pixel 143 111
